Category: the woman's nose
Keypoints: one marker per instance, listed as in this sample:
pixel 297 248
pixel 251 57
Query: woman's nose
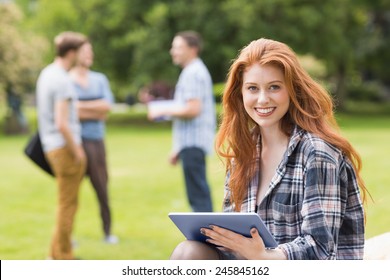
pixel 263 97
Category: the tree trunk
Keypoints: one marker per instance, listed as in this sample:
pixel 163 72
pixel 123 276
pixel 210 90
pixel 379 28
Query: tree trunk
pixel 341 87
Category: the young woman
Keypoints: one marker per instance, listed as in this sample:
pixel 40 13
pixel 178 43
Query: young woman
pixel 286 161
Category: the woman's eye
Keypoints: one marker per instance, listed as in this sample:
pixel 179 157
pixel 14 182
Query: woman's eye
pixel 274 87
pixel 252 88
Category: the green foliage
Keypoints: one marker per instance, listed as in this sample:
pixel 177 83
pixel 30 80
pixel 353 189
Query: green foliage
pixel 20 51
pixel 374 49
pixel 368 91
pixel 132 38
pixel 218 91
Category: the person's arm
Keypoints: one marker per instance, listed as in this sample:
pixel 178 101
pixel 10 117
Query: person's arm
pixel 93 109
pixel 190 110
pixel 97 109
pixel 322 211
pixel 61 115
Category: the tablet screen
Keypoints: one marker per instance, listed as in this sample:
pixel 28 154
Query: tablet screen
pixel 190 224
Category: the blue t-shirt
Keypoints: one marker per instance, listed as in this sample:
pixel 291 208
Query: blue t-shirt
pixel 98 88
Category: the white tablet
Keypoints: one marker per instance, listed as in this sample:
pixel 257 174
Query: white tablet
pixel 190 224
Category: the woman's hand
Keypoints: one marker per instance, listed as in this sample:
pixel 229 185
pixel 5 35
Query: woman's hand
pixel 250 248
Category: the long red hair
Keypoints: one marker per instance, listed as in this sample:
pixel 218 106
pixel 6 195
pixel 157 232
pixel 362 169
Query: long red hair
pixel 311 108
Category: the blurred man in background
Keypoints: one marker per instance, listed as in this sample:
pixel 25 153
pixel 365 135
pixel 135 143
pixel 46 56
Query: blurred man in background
pixel 194 121
pixel 59 129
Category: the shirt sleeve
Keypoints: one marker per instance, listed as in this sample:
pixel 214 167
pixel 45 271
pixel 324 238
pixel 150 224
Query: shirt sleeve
pixel 107 93
pixel 323 210
pixel 193 87
pixel 63 90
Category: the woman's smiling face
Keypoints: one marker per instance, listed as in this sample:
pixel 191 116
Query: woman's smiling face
pixel 265 95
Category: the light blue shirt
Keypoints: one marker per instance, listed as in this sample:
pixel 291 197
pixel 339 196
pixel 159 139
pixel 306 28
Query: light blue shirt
pixel 98 88
pixel 195 83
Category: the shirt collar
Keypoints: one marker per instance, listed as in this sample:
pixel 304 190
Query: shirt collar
pixel 294 139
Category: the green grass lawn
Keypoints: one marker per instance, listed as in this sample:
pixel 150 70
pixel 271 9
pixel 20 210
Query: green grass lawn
pixel 370 135
pixel 144 188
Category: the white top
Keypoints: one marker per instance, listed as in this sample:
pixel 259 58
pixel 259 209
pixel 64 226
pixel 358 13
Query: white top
pixel 53 85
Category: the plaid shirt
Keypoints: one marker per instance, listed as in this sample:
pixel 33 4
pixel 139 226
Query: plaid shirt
pixel 195 83
pixel 313 206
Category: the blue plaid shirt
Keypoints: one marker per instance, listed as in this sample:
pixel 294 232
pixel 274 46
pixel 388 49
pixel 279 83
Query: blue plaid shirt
pixel 313 206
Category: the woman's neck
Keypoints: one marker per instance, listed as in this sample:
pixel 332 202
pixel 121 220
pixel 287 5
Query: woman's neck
pixel 273 138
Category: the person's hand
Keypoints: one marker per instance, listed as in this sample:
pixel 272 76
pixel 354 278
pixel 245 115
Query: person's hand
pixel 79 154
pixel 250 248
pixel 153 115
pixel 159 114
pixel 173 158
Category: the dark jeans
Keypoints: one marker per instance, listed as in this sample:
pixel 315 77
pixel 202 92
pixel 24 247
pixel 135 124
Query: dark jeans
pixel 97 172
pixel 194 167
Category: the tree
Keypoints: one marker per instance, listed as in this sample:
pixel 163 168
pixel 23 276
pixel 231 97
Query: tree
pixel 20 64
pixel 329 30
pixel 374 51
pixel 132 38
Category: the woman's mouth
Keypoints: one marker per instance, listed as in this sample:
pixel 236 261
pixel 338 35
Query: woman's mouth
pixel 265 112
